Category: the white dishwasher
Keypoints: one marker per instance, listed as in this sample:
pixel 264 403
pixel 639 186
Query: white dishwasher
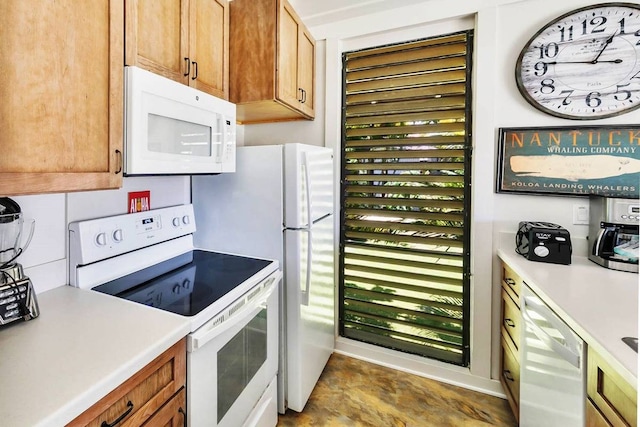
pixel 553 368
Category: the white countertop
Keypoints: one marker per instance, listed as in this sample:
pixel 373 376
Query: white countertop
pixel 599 304
pixel 83 345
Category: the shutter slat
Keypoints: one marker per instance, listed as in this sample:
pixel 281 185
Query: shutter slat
pixel 431 52
pixel 437 128
pixel 435 104
pixel 423 92
pixel 455 76
pixel 429 292
pixel 449 63
pixel 393 238
pixel 405 154
pixel 407 142
pixel 388 213
pixel 441 166
pixel 405 178
pixel 403 189
pixel 389 226
pixel 420 116
pixel 434 41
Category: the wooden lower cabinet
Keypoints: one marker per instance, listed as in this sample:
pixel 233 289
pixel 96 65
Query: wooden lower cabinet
pixel 510 336
pixel 154 396
pixel 613 399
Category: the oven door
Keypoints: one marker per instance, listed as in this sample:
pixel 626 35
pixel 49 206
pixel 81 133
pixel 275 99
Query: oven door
pixel 233 358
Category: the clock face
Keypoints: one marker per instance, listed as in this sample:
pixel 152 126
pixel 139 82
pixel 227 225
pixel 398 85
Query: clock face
pixel 584 64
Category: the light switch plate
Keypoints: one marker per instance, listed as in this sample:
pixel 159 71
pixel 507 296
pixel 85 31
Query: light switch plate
pixel 581 214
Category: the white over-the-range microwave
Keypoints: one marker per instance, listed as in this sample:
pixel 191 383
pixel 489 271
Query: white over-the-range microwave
pixel 173 129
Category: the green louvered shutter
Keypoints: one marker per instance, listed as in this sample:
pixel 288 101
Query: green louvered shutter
pixel 404 245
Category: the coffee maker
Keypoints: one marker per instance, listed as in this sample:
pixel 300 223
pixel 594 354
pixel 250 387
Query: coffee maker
pixel 17 296
pixel 613 232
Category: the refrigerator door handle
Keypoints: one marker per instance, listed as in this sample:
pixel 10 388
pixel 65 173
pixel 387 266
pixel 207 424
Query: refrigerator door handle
pixel 307 188
pixel 304 293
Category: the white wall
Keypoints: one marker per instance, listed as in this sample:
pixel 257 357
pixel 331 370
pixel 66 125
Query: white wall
pixel 45 260
pixel 502 27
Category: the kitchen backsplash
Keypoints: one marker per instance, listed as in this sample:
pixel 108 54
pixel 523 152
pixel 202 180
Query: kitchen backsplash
pixel 45 260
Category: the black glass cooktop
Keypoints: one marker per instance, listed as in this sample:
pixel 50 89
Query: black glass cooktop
pixel 186 284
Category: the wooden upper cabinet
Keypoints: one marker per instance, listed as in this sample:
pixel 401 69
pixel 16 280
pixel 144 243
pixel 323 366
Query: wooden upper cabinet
pixel 272 62
pixel 61 95
pixel 184 40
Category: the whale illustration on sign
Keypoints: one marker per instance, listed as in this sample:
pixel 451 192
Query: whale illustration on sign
pixel 574 168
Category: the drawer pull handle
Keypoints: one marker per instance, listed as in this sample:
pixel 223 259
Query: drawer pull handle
pixel 507 374
pixel 120 162
pixel 184 416
pixel 510 282
pixel 187 62
pixel 195 68
pixel 510 323
pixel 120 418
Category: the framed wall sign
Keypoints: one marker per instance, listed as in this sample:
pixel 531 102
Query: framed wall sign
pixel 576 161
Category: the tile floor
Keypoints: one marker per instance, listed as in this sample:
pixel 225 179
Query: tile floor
pixel 352 392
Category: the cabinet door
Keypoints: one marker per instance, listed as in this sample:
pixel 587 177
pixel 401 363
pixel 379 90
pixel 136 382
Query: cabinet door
pixel 157 37
pixel 306 71
pixel 61 95
pixel 209 46
pixel 288 89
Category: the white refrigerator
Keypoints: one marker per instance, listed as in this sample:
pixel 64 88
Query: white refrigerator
pixel 279 205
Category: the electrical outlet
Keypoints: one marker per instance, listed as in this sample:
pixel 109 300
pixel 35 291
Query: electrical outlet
pixel 581 214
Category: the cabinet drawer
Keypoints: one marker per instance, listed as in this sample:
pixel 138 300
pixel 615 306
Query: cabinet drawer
pixel 172 414
pixel 511 320
pixel 610 392
pixel 510 376
pixel 594 416
pixel 135 400
pixel 512 282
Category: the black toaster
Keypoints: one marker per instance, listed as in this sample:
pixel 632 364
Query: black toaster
pixel 543 242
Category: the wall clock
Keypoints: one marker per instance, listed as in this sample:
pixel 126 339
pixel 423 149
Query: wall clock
pixel 585 64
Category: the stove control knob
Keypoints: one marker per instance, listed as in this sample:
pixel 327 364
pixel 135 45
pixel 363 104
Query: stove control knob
pixel 186 220
pixel 117 235
pixel 176 222
pixel 101 239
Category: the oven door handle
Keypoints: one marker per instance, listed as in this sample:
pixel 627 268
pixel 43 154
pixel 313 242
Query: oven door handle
pixel 213 329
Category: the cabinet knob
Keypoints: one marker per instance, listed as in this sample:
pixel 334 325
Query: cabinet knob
pixel 509 282
pixel 510 323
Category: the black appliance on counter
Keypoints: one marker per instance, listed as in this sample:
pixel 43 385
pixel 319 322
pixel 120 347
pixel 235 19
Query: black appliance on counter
pixel 613 232
pixel 543 242
pixel 17 296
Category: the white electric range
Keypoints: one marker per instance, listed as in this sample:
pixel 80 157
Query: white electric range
pixel 231 301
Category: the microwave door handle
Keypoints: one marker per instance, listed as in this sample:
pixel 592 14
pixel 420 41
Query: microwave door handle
pixel 221 139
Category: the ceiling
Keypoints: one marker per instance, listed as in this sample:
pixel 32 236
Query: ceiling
pixel 320 12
